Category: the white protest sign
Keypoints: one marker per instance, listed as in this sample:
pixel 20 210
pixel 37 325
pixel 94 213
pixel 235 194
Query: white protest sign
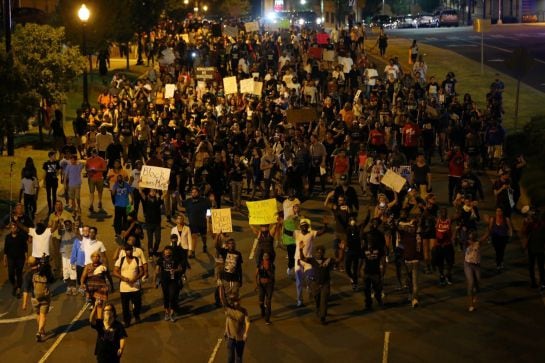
pixel 252 26
pixel 221 220
pixel 258 88
pixel 154 177
pixel 230 85
pixel 169 90
pixel 247 85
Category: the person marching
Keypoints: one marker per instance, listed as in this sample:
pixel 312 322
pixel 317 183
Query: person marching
pixel 264 280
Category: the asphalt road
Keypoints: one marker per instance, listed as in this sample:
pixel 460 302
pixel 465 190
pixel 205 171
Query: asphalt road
pixel 506 327
pixel 499 43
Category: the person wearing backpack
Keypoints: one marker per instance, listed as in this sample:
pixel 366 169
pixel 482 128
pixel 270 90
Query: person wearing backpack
pixel 129 270
pixel 36 285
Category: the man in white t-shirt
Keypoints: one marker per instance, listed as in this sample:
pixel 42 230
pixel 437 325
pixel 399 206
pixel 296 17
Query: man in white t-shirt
pixel 183 232
pixel 41 238
pixel 91 244
pixel 129 270
pixel 306 236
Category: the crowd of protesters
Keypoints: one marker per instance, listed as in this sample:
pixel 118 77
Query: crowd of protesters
pixel 223 149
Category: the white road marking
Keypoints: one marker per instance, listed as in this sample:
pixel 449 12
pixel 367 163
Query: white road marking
pixel 61 337
pixel 20 319
pixel 215 351
pixel 460 45
pixel 252 252
pixel 386 347
pixel 453 38
pixel 495 60
pixel 498 36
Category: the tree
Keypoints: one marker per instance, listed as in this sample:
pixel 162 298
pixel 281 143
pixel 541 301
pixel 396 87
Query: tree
pixel 50 66
pixel 233 8
pixel 16 101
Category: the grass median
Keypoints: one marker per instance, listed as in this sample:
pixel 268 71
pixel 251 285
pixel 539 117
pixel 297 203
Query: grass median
pixel 468 74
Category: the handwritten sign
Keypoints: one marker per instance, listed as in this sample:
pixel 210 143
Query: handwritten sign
pixel 301 115
pixel 322 38
pixel 252 26
pixel 315 52
pixel 205 73
pixel 221 220
pixel 247 85
pixel 393 181
pixel 230 85
pixel 170 88
pixel 231 31
pixel 329 55
pixel 258 88
pixel 262 211
pixel 154 177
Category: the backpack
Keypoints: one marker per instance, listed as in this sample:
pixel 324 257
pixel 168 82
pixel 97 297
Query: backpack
pixel 41 290
pixel 123 260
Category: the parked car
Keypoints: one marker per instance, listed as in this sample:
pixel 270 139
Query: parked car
pixel 446 17
pixel 382 21
pixel 404 21
pixel 424 20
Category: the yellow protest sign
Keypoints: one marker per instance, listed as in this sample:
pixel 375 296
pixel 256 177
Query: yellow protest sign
pixel 393 181
pixel 262 211
pixel 221 220
pixel 154 177
pixel 230 85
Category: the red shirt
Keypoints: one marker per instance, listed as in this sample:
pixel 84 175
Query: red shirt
pixel 456 163
pixel 410 133
pixel 377 137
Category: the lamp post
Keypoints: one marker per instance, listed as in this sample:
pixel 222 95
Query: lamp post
pixel 83 15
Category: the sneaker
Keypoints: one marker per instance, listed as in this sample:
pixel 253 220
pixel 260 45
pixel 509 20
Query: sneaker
pixel 299 303
pixel 268 322
pixel 39 337
pixel 288 271
pixel 471 308
pixel 69 291
pixel 172 317
pixel 414 303
pixel 449 281
pixel 167 317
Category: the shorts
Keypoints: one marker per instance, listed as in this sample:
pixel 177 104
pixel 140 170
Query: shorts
pixel 67 272
pixel 41 307
pixel 96 184
pixel 198 229
pixel 74 192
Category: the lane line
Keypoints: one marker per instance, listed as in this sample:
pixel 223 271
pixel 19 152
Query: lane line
pixel 215 351
pixel 61 337
pixel 386 347
pixel 20 319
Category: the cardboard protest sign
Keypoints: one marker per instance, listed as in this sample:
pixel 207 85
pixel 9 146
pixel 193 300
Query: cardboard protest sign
pixel 247 85
pixel 262 211
pixel 252 26
pixel 322 38
pixel 154 177
pixel 315 52
pixel 284 24
pixel 221 220
pixel 170 88
pixel 230 85
pixel 329 55
pixel 258 88
pixel 393 181
pixel 231 31
pixel 205 72
pixel 346 63
pixel 301 115
pixel 185 37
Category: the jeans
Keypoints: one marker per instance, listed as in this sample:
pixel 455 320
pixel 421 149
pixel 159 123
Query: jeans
pixel 300 279
pixel 235 349
pixel 120 218
pixel 265 299
pixel 473 277
pixel 372 282
pixel 126 298
pixel 453 182
pixel 351 265
pixel 171 289
pixel 412 277
pixel 532 259
pixel 236 189
pixel 29 201
pixel 291 255
pixel 321 295
pixel 15 271
pixel 154 237
pixel 499 243
pixel 444 254
pixel 51 193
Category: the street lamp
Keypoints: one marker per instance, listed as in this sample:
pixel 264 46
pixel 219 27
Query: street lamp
pixel 186 2
pixel 205 8
pixel 83 15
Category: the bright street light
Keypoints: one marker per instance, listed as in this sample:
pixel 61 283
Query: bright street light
pixel 205 7
pixel 186 2
pixel 84 13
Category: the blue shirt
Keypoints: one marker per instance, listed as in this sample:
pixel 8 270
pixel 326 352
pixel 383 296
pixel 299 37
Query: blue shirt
pixel 121 194
pixel 78 255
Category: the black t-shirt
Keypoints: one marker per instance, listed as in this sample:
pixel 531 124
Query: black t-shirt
pixel 51 169
pixel 16 246
pixel 152 207
pixel 421 174
pixel 108 341
pixel 373 251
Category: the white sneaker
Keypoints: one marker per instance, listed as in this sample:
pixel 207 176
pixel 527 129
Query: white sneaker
pixel 414 303
pixel 299 303
pixel 471 308
pixel 289 271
